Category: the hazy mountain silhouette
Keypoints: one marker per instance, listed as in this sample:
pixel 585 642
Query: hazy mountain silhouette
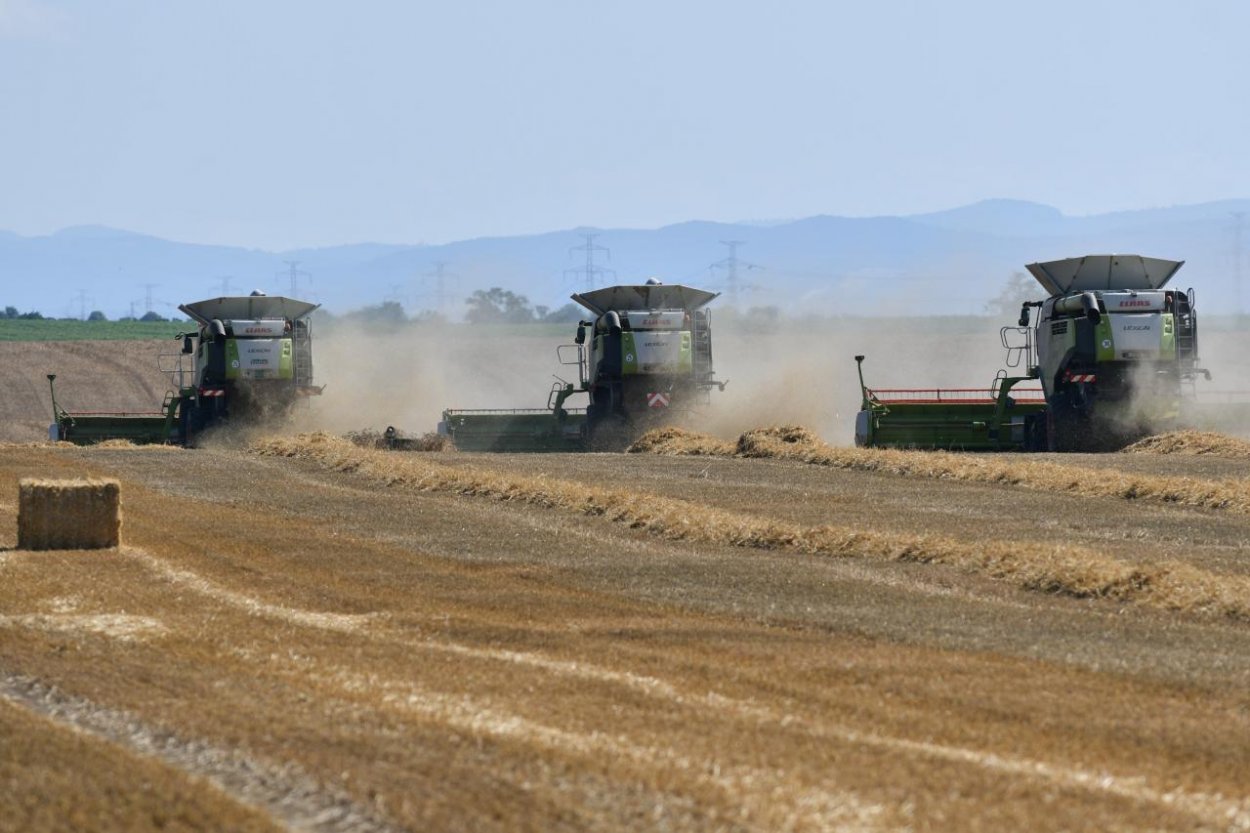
pixel 942 262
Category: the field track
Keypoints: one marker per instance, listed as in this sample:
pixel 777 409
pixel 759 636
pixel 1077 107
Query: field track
pixel 305 634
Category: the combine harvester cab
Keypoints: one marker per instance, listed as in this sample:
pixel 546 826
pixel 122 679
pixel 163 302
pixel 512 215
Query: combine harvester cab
pixel 251 360
pixel 1114 351
pixel 252 357
pixel 643 360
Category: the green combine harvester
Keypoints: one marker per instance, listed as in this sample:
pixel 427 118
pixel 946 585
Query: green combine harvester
pixel 643 360
pixel 251 361
pixel 1115 353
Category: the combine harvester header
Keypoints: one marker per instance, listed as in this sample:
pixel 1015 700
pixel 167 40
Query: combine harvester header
pixel 1116 355
pixel 1001 417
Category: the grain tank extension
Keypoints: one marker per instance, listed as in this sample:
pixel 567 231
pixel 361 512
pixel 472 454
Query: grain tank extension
pixel 1116 355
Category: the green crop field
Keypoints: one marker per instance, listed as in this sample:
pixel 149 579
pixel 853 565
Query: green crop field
pixel 55 330
pixel 74 330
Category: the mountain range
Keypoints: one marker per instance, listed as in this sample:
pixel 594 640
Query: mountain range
pixel 946 262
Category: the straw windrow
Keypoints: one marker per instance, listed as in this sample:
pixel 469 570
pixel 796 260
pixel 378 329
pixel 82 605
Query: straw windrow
pixel 1060 569
pixel 1207 443
pixel 796 443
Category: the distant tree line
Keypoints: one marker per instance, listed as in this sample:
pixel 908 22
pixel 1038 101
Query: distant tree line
pixel 485 306
pixel 499 306
pixel 11 314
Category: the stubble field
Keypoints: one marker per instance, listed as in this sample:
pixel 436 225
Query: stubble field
pixel 766 634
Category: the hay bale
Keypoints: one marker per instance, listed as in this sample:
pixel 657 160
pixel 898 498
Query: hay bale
pixel 68 514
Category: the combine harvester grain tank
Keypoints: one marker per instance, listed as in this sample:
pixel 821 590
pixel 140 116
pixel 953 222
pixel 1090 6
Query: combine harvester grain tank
pixel 250 360
pixel 1116 356
pixel 644 359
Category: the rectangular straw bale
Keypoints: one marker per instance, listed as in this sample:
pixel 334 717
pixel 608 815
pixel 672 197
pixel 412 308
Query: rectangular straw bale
pixel 68 514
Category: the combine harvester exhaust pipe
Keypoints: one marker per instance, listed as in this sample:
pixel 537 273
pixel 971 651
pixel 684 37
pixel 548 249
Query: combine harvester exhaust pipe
pixel 1084 304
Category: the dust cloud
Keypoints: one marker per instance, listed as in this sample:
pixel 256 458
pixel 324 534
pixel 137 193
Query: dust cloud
pixel 405 377
pixel 803 371
pixel 1221 403
pixel 793 371
pixel 779 371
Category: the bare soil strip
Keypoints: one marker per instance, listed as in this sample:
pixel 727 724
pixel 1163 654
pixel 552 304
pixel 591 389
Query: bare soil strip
pixel 1063 569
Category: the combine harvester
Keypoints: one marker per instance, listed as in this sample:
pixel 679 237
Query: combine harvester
pixel 1116 355
pixel 644 360
pixel 252 361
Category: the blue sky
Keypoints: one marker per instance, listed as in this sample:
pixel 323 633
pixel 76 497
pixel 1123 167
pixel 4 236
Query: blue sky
pixel 282 123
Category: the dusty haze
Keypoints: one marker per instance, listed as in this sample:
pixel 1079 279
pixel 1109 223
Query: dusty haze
pixel 803 372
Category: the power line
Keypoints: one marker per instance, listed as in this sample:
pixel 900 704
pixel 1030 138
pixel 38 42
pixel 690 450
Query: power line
pixel 440 275
pixel 731 265
pixel 590 271
pixel 1238 256
pixel 396 294
pixel 294 273
pixel 226 281
pixel 147 295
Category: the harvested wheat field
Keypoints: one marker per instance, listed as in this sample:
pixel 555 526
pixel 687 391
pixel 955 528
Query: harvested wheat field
pixel 767 635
